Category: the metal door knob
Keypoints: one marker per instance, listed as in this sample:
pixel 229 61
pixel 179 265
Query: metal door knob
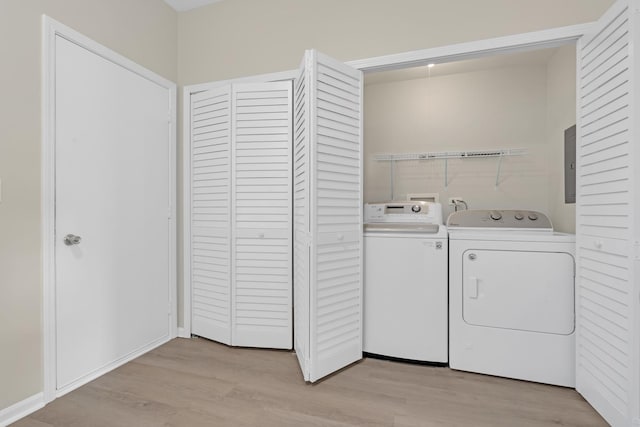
pixel 71 240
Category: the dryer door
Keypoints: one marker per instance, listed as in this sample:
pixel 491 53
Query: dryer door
pixel 520 290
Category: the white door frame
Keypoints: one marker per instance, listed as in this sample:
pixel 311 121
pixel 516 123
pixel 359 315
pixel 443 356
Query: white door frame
pixel 50 30
pixel 553 37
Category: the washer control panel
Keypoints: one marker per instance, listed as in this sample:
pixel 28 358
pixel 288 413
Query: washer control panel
pixel 402 212
pixel 480 218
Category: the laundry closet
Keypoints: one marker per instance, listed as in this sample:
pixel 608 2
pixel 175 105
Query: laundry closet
pixel 517 102
pixel 488 130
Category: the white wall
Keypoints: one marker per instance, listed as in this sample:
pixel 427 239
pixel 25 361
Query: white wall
pixel 561 114
pixel 143 30
pixel 486 109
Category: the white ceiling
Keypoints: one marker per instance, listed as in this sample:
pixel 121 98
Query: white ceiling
pixel 534 57
pixel 182 5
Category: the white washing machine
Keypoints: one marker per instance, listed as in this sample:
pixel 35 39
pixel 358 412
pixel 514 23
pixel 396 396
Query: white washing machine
pixel 511 296
pixel 405 281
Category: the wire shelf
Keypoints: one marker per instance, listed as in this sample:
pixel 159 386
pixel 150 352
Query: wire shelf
pixel 446 155
pixel 435 155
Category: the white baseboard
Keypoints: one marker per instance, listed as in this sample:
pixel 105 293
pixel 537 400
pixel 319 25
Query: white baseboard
pixel 182 333
pixel 21 409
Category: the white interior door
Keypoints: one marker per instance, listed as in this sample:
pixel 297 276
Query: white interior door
pixel 211 214
pixel 328 215
pixel 608 215
pixel 261 313
pixel 301 217
pixel 113 190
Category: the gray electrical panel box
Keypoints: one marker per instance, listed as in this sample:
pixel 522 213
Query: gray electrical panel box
pixel 570 165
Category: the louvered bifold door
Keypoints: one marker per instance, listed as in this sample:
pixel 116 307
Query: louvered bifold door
pixel 262 205
pixel 334 134
pixel 607 215
pixel 301 217
pixel 210 214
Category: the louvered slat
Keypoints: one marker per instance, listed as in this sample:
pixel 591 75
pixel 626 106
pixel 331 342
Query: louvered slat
pixel 262 243
pixel 210 214
pixel 607 198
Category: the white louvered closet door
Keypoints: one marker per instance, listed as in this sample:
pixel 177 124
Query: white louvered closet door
pixel 608 216
pixel 262 206
pixel 301 218
pixel 211 214
pixel 328 188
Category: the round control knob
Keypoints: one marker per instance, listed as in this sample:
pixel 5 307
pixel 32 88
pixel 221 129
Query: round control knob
pixel 519 216
pixel 533 216
pixel 495 215
pixel 416 208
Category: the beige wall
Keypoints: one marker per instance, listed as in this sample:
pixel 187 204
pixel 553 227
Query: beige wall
pixel 478 110
pixel 561 114
pixel 143 30
pixel 235 38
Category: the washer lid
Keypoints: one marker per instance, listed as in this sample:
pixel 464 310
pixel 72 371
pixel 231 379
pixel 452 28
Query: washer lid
pixel 500 220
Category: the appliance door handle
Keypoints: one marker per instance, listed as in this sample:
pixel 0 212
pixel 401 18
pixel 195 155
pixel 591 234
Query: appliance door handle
pixel 472 287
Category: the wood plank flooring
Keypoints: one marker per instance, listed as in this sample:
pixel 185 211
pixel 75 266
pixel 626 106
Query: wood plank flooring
pixel 200 383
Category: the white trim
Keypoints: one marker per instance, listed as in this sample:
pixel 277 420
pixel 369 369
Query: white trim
pixel 184 5
pixel 111 366
pixel 21 409
pixel 50 30
pixel 48 209
pixel 635 135
pixel 186 212
pixel 269 77
pixel 515 43
pixel 182 333
pixel 173 209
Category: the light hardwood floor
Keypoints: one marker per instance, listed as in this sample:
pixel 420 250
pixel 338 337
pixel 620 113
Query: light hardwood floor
pixel 201 383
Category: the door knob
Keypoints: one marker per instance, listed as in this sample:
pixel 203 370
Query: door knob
pixel 71 240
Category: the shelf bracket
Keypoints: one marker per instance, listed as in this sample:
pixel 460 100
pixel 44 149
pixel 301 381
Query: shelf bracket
pixel 446 173
pixel 498 171
pixel 392 174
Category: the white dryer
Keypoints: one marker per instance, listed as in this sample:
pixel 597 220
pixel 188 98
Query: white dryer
pixel 405 281
pixel 511 296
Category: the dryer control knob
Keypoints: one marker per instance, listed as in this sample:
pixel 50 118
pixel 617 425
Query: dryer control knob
pixel 495 215
pixel 416 208
pixel 533 216
pixel 519 216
